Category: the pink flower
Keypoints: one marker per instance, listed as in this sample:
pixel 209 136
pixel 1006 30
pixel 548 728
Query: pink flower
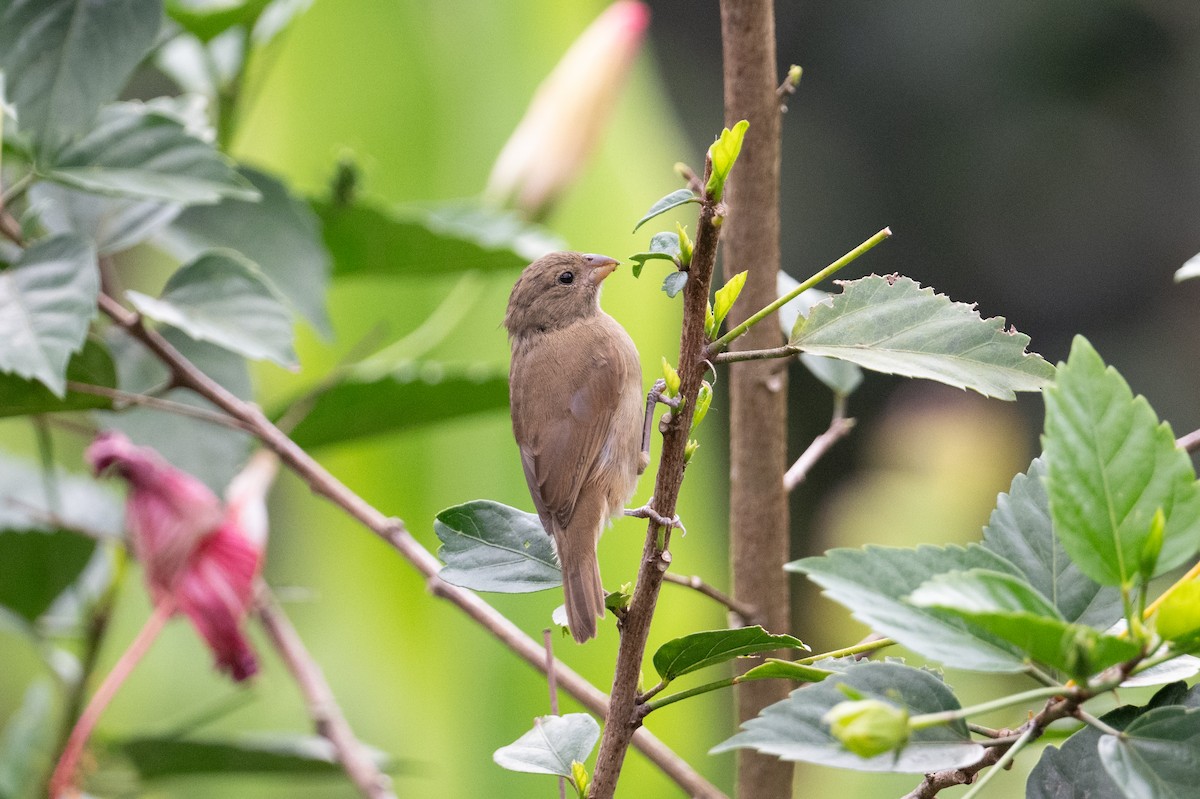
pixel 199 558
pixel 568 112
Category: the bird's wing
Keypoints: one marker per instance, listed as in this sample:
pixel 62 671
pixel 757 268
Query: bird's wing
pixel 567 406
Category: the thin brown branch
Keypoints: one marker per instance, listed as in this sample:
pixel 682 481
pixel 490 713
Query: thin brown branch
pixel 839 427
pixel 625 716
pixel 323 708
pixel 552 683
pixel 394 532
pixel 786 351
pixel 745 613
pixel 1189 442
pixel 160 404
pixel 786 89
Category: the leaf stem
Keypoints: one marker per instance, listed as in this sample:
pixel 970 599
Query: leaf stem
pixel 699 689
pixel 926 720
pixel 721 344
pixel 1092 721
pixel 867 646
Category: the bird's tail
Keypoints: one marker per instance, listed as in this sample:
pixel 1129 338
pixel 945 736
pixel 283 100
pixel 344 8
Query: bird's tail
pixel 583 591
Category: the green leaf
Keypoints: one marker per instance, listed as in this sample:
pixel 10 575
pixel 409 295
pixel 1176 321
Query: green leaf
pixel 222 297
pixel 487 546
pixel 112 224
pixel 213 454
pixel 774 668
pixel 674 283
pixel 207 19
pixel 1011 609
pixel 144 151
pixel 47 301
pixel 892 325
pixel 65 58
pixel 369 401
pixel 724 153
pixel 35 567
pixel 1110 465
pixel 554 743
pixel 673 200
pixel 664 246
pixel 78 501
pixel 1074 771
pixel 1178 617
pixel 1020 530
pixel 874 583
pixel 370 240
pixel 726 296
pixel 279 233
pixel 794 729
pixel 699 650
pixel 1158 756
pixel 1188 270
pixel 92 365
pixel 25 744
pixel 283 753
pixel 840 377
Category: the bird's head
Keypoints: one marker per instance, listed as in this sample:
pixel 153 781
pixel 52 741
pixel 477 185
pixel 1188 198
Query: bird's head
pixel 556 290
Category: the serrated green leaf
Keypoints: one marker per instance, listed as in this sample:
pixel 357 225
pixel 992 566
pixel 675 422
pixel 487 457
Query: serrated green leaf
pixel 365 239
pixel 279 233
pixel 840 377
pixel 1110 466
pixel 723 154
pixel 25 745
pixel 47 301
pixel 261 753
pixel 222 297
pixel 674 283
pixel 370 401
pixel 874 582
pixel 1074 771
pixel 139 150
pixel 35 567
pixel 892 325
pixel 554 743
pixel 794 729
pixel 680 656
pixel 1011 609
pixel 113 224
pixel 1021 531
pixel 487 546
pixel 1189 270
pixel 91 365
pixel 1158 756
pixel 662 205
pixel 726 296
pixel 774 668
pixel 65 58
pixel 213 454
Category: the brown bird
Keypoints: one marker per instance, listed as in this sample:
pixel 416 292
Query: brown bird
pixel 575 387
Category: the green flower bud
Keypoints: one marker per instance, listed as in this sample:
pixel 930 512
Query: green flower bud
pixel 868 727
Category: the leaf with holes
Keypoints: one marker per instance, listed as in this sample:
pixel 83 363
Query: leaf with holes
pixel 892 325
pixel 47 301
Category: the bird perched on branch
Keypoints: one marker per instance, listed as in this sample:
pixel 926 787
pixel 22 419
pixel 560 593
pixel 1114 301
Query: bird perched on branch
pixel 575 386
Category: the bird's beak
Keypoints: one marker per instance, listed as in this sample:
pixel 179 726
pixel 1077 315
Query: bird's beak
pixel 602 266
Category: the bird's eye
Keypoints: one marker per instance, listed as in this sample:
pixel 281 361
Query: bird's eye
pixel 566 278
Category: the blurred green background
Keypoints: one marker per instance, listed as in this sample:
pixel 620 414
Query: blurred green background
pixel 1040 160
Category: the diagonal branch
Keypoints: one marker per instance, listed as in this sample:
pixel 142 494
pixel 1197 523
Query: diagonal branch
pixel 322 706
pixel 839 427
pixel 394 532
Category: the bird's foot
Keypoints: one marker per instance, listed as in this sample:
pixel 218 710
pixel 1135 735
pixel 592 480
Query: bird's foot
pixel 647 511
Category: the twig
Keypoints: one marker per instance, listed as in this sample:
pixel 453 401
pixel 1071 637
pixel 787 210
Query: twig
pixel 552 682
pixel 839 427
pixel 746 614
pixel 394 532
pixel 786 351
pixel 160 404
pixel 1190 442
pixel 788 87
pixel 327 716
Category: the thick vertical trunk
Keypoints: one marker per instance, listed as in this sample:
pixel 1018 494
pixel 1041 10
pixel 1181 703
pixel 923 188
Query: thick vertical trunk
pixel 758 405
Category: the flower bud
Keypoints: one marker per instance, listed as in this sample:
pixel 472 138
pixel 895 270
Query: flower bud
pixel 568 112
pixel 868 727
pixel 198 556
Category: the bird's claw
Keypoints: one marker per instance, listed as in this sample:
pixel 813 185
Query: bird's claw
pixel 647 511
